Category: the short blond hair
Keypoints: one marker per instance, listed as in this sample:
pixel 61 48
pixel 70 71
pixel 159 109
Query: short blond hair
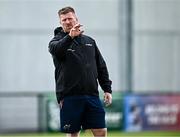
pixel 66 10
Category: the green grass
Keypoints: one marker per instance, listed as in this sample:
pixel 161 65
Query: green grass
pixel 110 134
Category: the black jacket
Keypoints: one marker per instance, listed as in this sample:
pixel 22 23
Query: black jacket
pixel 78 65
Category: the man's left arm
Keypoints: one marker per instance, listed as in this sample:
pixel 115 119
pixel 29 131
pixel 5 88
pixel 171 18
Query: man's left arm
pixel 103 77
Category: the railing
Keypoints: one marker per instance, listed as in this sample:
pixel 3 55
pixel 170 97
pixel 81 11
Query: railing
pixel 23 111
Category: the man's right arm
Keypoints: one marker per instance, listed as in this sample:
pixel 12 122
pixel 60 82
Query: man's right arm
pixel 58 46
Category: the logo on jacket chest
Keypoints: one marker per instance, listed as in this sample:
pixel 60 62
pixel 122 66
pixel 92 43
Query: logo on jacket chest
pixel 72 50
pixel 80 47
pixel 88 44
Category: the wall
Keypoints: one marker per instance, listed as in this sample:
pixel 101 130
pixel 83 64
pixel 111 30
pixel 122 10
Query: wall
pixel 156 50
pixel 26 27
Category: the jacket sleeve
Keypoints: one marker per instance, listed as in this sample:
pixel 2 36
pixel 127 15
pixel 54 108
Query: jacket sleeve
pixel 58 46
pixel 103 75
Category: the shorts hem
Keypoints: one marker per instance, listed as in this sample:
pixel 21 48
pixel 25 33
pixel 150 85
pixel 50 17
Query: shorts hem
pixel 86 128
pixel 74 131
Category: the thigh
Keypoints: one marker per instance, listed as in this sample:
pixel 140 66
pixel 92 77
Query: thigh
pixel 71 114
pixel 94 115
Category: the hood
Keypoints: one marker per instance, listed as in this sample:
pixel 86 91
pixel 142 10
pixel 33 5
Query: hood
pixel 58 30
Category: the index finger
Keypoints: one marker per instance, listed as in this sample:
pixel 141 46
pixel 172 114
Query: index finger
pixel 77 25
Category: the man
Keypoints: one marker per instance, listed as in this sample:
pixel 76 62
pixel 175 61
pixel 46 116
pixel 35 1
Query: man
pixel 78 65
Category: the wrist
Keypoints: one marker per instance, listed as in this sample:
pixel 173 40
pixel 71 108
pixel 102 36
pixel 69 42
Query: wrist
pixel 71 36
pixel 110 92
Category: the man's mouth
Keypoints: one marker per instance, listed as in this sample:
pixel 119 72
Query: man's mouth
pixel 68 27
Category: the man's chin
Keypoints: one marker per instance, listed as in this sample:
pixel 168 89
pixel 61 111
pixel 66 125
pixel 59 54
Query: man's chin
pixel 67 30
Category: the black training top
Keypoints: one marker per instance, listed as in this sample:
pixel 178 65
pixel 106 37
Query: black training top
pixel 78 65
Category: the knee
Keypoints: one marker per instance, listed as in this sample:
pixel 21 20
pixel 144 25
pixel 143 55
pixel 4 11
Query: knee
pixel 73 135
pixel 100 132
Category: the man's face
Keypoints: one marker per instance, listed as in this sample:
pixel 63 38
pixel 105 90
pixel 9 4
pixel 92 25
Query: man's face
pixel 68 21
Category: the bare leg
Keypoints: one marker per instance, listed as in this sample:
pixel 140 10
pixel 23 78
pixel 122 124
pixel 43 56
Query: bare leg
pixel 102 132
pixel 73 135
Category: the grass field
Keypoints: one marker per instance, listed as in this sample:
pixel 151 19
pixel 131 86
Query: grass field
pixel 110 134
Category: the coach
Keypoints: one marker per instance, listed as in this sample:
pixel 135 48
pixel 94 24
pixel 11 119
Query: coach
pixel 79 66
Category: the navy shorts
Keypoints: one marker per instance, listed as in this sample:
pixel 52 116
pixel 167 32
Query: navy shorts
pixel 81 112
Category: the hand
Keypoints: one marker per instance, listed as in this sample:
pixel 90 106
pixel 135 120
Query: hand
pixel 76 31
pixel 107 98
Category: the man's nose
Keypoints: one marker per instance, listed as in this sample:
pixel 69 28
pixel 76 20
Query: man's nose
pixel 67 21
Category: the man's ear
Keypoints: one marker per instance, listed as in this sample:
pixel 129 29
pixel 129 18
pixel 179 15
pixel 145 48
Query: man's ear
pixel 60 20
